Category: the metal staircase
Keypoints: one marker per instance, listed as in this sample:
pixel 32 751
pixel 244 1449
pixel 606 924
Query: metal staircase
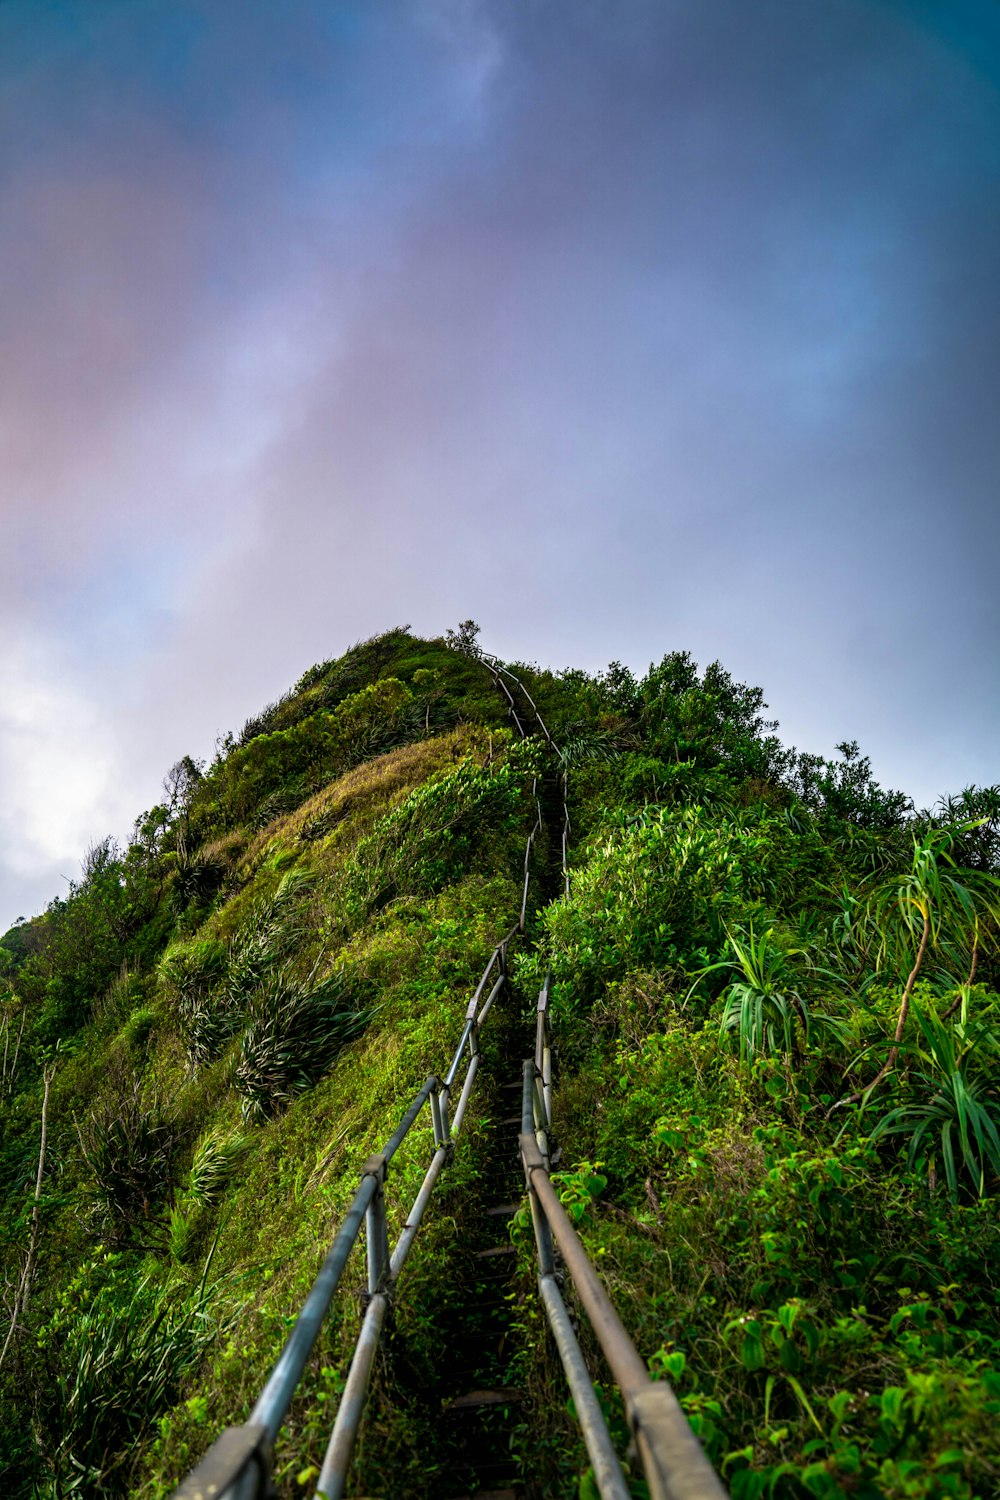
pixel 478 1405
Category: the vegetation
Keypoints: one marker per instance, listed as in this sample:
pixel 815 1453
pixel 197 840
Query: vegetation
pixel 776 997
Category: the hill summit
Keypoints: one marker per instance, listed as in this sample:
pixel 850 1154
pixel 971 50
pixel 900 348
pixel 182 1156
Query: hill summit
pixel 773 989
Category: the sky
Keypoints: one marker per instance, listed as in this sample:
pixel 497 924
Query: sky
pixel 619 327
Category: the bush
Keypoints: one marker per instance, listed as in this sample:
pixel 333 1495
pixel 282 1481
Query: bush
pixel 191 974
pixel 295 1030
pixel 117 1353
pixel 215 1159
pixel 211 985
pixel 431 838
pixel 128 1143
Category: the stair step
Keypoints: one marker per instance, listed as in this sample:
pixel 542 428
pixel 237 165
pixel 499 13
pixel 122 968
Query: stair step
pixel 503 1211
pixel 495 1250
pixel 492 1495
pixel 505 1396
pixel 511 1120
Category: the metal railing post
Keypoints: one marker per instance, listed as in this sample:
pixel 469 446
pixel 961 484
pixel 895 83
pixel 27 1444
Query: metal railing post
pixel 439 1116
pixel 376 1226
pixel 543 1236
pixel 673 1459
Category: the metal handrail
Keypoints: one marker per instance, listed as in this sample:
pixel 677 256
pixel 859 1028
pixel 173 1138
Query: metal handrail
pixel 498 671
pixel 672 1458
pixel 673 1461
pixel 238 1466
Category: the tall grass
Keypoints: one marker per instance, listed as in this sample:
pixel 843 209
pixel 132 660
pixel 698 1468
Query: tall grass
pixel 295 1029
pixel 116 1358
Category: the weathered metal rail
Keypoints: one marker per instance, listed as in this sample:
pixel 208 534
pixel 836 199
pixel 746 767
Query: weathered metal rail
pixel 239 1465
pixel 673 1461
pixel 499 672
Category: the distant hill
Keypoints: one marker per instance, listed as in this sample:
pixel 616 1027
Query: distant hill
pixel 776 997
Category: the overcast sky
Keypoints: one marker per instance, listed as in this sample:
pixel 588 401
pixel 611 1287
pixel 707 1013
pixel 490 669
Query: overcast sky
pixel 621 327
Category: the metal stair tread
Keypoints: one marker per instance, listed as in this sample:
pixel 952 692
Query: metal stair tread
pixel 492 1495
pixel 502 1396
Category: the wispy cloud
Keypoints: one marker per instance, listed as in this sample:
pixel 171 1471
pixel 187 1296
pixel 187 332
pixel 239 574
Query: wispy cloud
pixel 620 328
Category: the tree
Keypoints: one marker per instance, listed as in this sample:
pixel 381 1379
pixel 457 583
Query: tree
pixel 846 789
pixel 710 720
pixel 464 638
pixel 180 784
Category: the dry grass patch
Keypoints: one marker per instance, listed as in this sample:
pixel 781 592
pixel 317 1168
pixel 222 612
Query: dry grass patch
pixel 364 793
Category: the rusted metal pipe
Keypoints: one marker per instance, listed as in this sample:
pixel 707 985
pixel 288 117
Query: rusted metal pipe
pixel 674 1461
pixel 337 1461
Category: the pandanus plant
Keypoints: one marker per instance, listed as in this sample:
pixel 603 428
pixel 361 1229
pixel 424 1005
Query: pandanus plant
pixel 761 1005
pixel 932 904
pixel 767 995
pixel 951 1108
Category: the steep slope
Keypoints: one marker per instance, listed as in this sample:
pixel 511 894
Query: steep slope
pixel 224 1019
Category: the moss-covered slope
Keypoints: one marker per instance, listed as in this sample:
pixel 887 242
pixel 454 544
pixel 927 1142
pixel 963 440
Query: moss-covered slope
pixel 224 1018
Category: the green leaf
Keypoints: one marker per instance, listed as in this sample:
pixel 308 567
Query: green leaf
pixel 891 1403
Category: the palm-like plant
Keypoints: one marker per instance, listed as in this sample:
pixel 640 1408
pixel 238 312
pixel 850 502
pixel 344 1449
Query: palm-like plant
pixel 931 902
pixel 951 1107
pixel 767 996
pixel 761 1005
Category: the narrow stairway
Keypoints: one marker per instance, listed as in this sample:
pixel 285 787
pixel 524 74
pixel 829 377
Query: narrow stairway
pixel 479 1404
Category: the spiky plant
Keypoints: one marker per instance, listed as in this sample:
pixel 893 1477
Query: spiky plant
pixel 268 936
pixel 215 1159
pixel 952 1117
pixel 192 976
pixel 766 1000
pixel 211 985
pixel 582 743
pixel 128 1142
pixel 762 1004
pixel 117 1357
pixel 296 1027
pixel 930 904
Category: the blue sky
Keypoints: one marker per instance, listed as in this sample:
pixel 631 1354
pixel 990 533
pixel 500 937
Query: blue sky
pixel 622 328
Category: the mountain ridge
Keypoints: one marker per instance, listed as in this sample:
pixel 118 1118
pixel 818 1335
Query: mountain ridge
pixel 219 1021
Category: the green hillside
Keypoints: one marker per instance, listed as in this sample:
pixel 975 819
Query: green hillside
pixel 776 1002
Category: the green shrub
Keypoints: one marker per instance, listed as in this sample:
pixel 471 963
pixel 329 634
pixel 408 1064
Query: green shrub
pixel 117 1351
pixel 191 975
pixel 295 1028
pixel 433 836
pixel 211 985
pixel 138 1028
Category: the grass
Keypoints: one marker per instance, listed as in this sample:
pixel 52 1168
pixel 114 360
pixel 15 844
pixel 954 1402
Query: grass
pixel 821 1296
pixel 275 1218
